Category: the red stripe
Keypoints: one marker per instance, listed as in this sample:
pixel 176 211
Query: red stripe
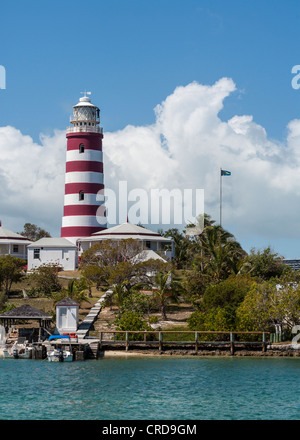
pixel 133 233
pixel 14 238
pixel 87 188
pixel 84 165
pixel 79 231
pixel 81 210
pixel 91 141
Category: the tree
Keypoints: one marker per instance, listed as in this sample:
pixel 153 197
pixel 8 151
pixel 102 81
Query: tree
pixel 93 275
pixel 164 291
pixel 115 263
pixel 220 253
pixel 181 245
pixel 267 305
pixel 138 302
pixel 46 279
pixel 11 271
pixel 33 232
pixel 231 291
pixel 76 290
pixel 264 265
pixel 217 310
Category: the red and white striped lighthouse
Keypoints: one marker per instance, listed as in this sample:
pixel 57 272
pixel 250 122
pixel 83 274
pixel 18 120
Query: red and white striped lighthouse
pixel 84 173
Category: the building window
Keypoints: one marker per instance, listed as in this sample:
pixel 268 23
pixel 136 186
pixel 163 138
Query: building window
pixel 81 195
pixel 15 248
pixel 148 244
pixel 36 254
pixel 81 148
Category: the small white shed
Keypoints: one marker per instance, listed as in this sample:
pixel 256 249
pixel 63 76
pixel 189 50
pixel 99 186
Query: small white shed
pixel 67 316
pixel 52 251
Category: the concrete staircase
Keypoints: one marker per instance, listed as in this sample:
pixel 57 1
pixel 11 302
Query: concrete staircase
pixel 91 317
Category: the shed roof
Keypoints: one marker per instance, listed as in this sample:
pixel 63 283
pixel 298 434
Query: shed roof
pixel 26 312
pixel 67 302
pixel 52 242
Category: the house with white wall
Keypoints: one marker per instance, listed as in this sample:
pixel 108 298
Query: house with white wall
pixel 13 244
pixel 58 251
pixel 149 240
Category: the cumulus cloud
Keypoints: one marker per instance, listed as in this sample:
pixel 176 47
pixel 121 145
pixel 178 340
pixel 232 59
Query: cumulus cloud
pixel 184 148
pixel 31 179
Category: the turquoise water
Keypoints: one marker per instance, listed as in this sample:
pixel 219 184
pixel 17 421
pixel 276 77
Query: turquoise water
pixel 151 389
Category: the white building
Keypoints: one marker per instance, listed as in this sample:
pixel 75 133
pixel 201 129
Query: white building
pixel 58 251
pixel 148 239
pixel 13 244
pixel 67 316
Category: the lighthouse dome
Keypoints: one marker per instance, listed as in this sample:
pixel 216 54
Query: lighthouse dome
pixel 84 100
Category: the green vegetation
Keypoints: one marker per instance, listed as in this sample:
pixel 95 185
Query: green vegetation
pixel 227 289
pixel 11 271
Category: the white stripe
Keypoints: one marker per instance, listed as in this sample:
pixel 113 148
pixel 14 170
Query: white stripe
pixel 84 176
pixel 89 199
pixel 93 155
pixel 82 220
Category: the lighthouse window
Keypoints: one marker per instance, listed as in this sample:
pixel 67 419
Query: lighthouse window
pixel 81 195
pixel 81 148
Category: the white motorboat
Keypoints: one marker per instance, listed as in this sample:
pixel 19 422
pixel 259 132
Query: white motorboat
pixel 20 350
pixel 60 355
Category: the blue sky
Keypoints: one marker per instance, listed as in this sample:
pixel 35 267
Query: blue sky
pixel 133 54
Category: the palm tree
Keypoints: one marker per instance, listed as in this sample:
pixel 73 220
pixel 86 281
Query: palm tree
pixel 221 254
pixel 119 292
pixel 165 290
pixel 76 290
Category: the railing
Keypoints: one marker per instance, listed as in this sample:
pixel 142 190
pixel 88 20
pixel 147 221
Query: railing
pixel 85 128
pixel 150 338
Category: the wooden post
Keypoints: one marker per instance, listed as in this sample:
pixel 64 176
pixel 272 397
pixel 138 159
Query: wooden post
pixel 100 340
pixel 40 331
pixel 232 343
pixel 127 341
pixel 196 342
pixel 160 341
pixel 145 336
pixel 264 342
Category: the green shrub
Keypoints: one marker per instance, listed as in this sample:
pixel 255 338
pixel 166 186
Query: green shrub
pixel 131 321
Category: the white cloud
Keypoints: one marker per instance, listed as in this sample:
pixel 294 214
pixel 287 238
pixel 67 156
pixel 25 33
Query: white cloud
pixel 184 148
pixel 31 179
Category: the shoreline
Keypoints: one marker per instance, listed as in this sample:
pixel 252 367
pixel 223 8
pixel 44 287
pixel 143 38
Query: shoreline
pixel 105 354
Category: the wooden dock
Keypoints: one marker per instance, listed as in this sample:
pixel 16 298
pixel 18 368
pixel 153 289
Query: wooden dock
pixel 204 340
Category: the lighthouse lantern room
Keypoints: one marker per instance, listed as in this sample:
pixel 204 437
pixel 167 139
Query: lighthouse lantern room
pixel 84 211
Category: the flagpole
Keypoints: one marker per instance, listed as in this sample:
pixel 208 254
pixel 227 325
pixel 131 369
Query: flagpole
pixel 220 196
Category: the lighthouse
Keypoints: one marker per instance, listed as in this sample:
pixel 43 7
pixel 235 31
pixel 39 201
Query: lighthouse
pixel 84 211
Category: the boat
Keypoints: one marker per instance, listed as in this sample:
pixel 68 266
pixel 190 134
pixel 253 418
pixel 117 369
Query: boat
pixel 53 337
pixel 60 355
pixel 19 350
